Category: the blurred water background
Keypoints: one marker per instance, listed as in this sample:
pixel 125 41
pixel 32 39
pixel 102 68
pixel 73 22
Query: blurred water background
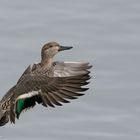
pixel 105 33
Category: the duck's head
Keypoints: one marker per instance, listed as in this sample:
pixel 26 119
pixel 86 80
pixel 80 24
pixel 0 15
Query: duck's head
pixel 52 48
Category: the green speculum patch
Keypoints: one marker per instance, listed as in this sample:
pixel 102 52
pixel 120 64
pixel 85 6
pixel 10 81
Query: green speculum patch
pixel 19 106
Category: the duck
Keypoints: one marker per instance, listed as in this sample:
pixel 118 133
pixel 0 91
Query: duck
pixel 48 83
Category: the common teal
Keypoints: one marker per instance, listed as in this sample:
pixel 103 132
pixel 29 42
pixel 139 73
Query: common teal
pixel 48 83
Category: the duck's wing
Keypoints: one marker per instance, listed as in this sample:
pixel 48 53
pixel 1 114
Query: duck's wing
pixel 49 91
pixel 65 69
pixel 29 70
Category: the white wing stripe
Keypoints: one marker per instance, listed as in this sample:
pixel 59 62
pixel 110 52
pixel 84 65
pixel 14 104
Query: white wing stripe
pixel 28 95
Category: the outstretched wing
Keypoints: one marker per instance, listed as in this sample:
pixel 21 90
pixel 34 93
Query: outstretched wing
pixel 49 91
pixel 65 69
pixel 29 70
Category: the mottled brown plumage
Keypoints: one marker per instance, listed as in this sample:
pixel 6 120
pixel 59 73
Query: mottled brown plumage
pixel 48 83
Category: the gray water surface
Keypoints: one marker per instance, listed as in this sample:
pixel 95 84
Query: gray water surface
pixel 105 33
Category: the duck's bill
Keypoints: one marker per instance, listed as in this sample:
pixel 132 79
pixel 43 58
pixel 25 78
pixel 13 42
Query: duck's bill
pixel 62 48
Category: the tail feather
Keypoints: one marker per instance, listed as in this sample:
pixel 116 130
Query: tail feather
pixel 4 119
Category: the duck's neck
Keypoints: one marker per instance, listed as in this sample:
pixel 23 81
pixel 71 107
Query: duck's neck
pixel 47 62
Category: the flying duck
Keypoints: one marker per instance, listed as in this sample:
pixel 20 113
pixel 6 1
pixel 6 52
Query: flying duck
pixel 49 83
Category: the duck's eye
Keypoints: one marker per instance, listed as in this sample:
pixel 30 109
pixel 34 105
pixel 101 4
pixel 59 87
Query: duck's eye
pixel 51 46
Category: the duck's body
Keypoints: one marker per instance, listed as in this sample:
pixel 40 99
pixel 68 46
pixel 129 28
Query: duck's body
pixel 48 83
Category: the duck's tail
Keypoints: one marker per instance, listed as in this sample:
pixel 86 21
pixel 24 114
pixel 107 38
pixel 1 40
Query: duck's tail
pixel 4 118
